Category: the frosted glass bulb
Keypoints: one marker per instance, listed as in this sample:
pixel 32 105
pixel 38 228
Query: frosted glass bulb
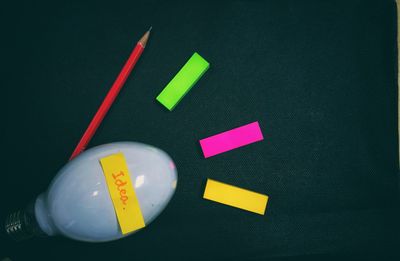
pixel 77 203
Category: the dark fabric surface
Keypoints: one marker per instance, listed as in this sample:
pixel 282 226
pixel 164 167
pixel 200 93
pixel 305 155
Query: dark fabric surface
pixel 319 76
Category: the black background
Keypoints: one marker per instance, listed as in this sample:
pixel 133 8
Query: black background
pixel 319 76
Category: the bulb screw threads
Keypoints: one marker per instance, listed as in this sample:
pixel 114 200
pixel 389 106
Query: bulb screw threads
pixel 21 225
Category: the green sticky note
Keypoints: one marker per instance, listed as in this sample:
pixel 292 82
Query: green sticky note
pixel 183 81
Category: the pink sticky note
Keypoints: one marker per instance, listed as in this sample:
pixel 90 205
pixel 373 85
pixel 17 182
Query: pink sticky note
pixel 231 139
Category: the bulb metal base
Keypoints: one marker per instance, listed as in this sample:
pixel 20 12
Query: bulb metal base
pixel 21 225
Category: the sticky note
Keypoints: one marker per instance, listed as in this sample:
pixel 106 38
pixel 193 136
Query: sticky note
pixel 235 197
pixel 183 81
pixel 231 139
pixel 123 196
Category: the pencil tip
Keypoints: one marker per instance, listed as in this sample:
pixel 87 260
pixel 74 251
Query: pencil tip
pixel 145 37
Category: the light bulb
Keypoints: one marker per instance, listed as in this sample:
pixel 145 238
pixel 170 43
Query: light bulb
pixel 78 205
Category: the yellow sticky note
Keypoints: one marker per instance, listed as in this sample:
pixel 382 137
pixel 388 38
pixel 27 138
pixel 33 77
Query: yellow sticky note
pixel 122 193
pixel 235 197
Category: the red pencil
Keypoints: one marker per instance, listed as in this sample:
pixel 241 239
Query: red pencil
pixel 111 95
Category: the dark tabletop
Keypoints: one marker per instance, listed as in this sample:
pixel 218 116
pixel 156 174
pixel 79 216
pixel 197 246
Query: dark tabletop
pixel 319 76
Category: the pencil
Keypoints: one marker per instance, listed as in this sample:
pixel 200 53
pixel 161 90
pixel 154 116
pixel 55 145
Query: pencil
pixel 111 95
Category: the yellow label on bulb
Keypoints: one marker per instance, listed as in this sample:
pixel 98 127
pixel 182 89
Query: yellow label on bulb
pixel 122 193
